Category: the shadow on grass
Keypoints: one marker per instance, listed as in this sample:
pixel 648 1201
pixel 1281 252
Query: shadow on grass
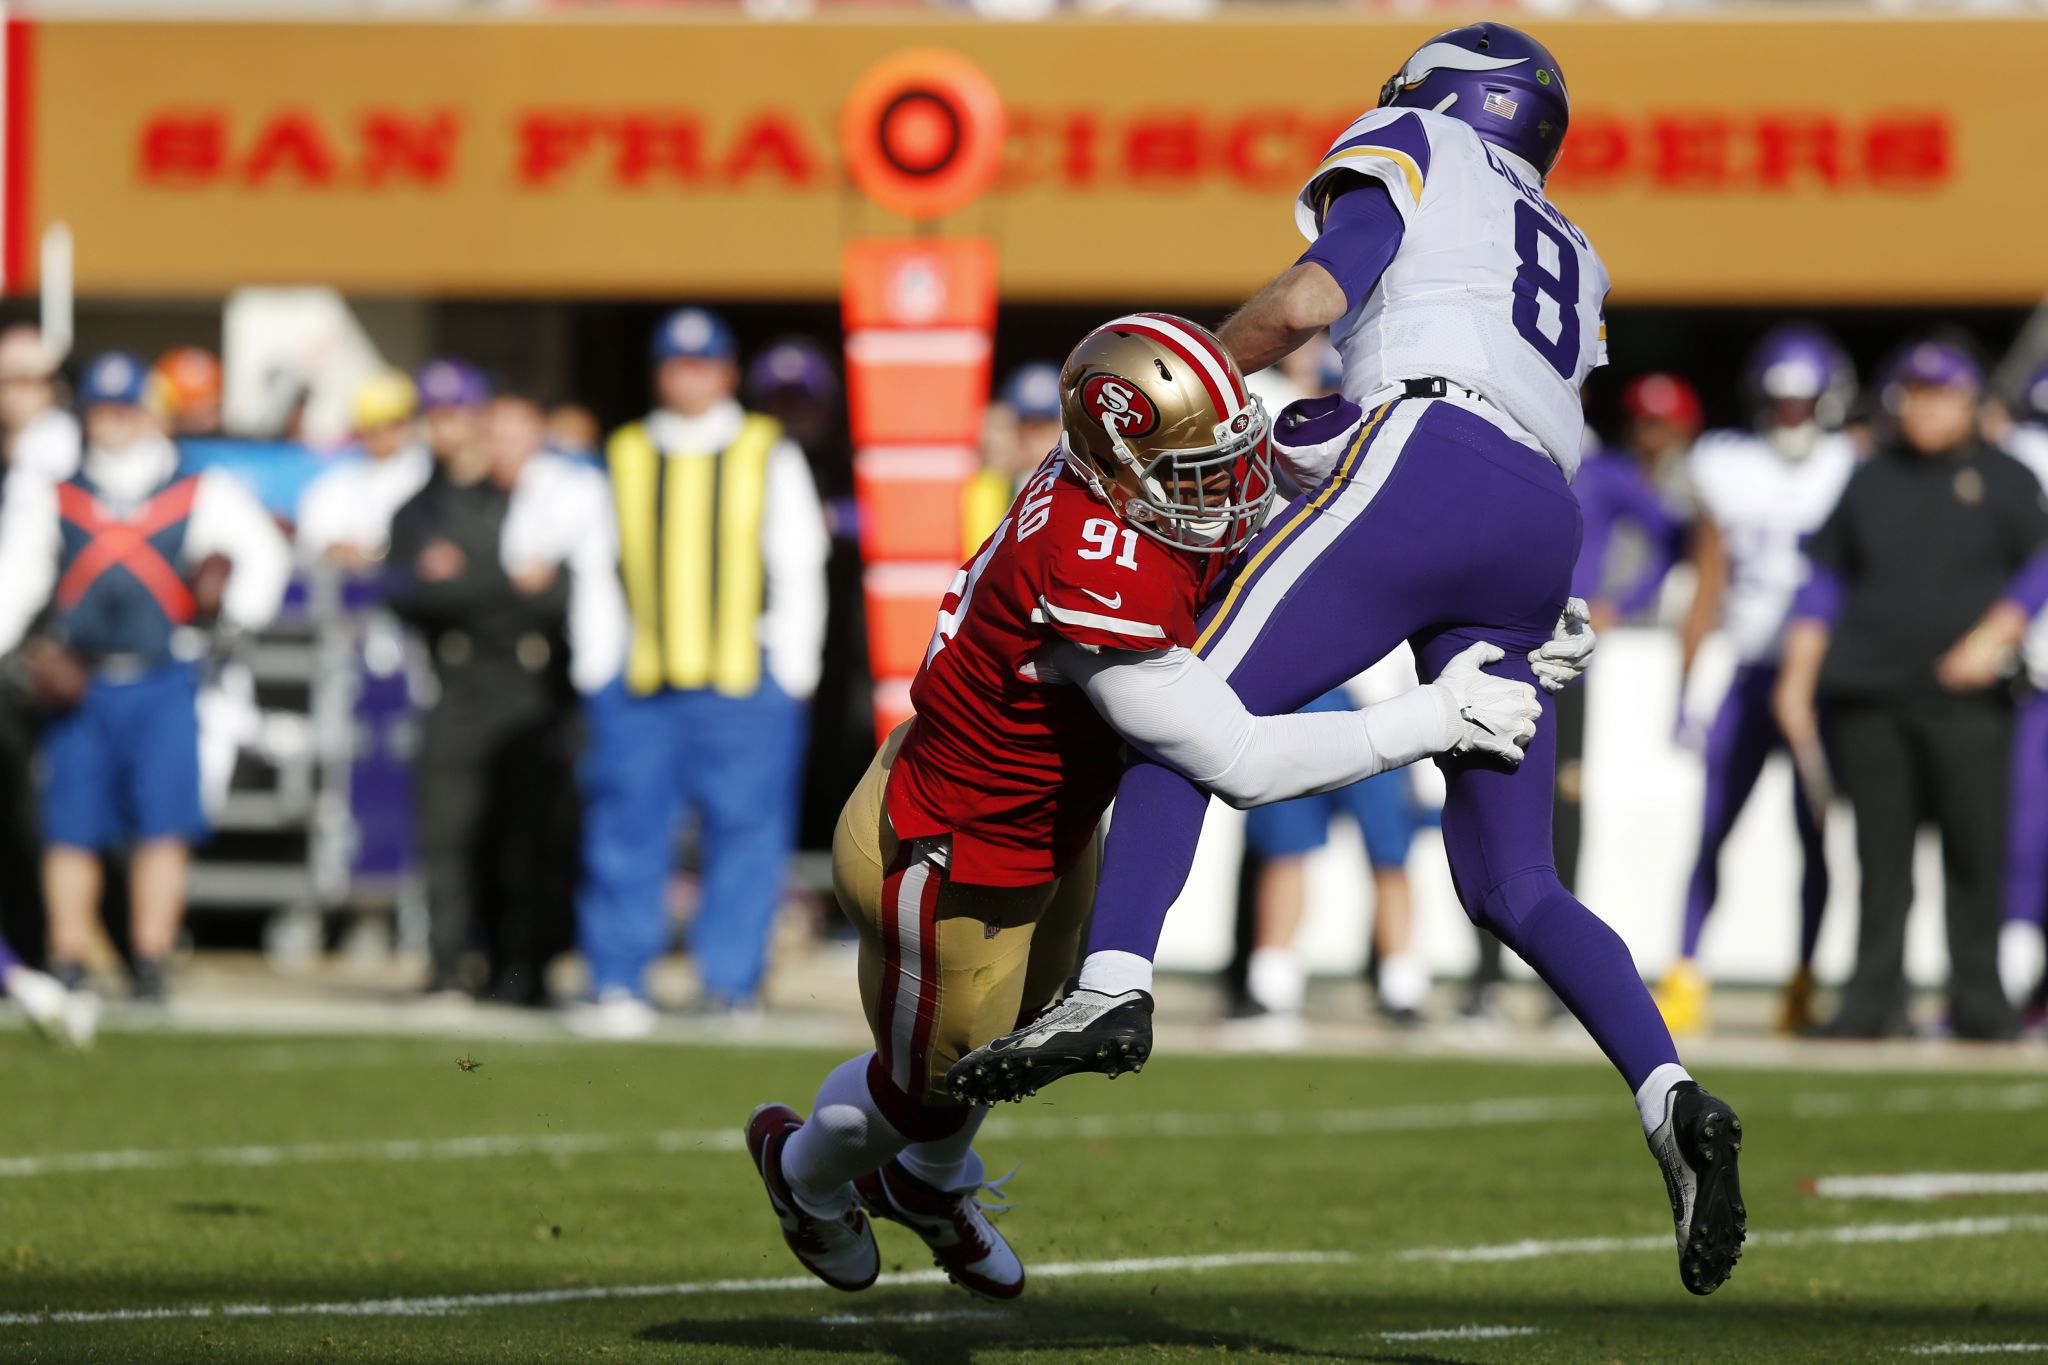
pixel 957 1336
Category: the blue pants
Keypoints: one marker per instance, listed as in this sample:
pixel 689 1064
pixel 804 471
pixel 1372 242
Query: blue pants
pixel 1386 817
pixel 1438 529
pixel 123 765
pixel 732 762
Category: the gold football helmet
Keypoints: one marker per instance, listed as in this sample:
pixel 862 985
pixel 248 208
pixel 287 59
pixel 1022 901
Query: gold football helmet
pixel 1159 422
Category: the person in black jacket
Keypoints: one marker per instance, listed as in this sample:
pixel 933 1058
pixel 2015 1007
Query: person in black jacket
pixel 1924 542
pixel 495 750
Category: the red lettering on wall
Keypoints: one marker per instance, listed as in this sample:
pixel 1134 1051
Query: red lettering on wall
pixel 291 144
pixel 1596 153
pixel 1163 150
pixel 408 148
pixel 1261 150
pixel 1906 151
pixel 550 143
pixel 658 146
pixel 771 143
pixel 1792 148
pixel 1689 151
pixel 183 150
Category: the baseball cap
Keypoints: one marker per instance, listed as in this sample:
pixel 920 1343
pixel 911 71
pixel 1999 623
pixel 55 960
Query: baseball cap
pixel 385 397
pixel 1033 391
pixel 1661 397
pixel 114 377
pixel 1938 363
pixel 792 363
pixel 446 382
pixel 693 334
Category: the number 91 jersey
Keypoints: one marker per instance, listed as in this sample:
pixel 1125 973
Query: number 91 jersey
pixel 1005 756
pixel 1492 288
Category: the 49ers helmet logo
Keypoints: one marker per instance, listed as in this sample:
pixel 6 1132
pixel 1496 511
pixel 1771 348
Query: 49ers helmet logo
pixel 1117 405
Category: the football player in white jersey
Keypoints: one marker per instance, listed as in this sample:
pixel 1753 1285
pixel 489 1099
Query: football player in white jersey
pixel 1468 310
pixel 1761 492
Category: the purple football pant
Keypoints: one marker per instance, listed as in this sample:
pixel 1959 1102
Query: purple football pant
pixel 1745 733
pixel 1437 529
pixel 2026 856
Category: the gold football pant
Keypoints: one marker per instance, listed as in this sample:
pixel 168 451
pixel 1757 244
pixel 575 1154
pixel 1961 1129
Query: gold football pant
pixel 945 967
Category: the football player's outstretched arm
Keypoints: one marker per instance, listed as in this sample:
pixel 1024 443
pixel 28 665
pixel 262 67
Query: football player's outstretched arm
pixel 1360 230
pixel 1180 711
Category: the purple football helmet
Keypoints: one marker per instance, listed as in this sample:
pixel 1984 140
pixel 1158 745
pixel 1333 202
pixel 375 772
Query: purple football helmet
pixel 1799 364
pixel 1498 79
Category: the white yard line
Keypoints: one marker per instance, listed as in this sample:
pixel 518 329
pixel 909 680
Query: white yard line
pixel 448 1305
pixel 1920 1186
pixel 1975 1348
pixel 1469 1333
pixel 1405 1118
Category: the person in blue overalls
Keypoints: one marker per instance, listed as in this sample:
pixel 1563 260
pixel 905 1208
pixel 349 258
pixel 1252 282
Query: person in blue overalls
pixel 134 557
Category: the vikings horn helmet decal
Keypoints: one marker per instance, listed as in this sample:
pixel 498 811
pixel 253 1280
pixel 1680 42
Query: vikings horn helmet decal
pixel 1498 79
pixel 1158 422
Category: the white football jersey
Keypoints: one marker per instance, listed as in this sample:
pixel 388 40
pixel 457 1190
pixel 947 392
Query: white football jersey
pixel 2028 444
pixel 1492 288
pixel 1765 505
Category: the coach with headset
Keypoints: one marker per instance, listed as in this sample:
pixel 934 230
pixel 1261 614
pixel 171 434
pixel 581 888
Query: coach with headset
pixel 711 638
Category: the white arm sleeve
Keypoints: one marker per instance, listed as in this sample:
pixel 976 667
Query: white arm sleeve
pixel 228 520
pixel 29 543
pixel 1180 711
pixel 794 547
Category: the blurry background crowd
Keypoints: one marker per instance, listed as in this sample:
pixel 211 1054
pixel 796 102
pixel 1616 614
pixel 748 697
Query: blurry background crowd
pixel 513 700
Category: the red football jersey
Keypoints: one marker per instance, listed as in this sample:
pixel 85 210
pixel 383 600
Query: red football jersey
pixel 1005 756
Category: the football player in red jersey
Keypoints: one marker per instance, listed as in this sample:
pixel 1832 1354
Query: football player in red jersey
pixel 967 855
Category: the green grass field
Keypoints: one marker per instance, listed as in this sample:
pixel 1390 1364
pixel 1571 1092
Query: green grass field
pixel 174 1198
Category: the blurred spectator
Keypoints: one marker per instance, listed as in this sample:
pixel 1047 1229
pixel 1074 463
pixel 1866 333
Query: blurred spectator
pixel 135 553
pixel 495 746
pixel 188 382
pixel 1022 428
pixel 452 394
pixel 573 431
pixel 2021 950
pixel 41 436
pixel 1887 631
pixel 1762 492
pixel 722 551
pixel 345 513
pixel 1284 834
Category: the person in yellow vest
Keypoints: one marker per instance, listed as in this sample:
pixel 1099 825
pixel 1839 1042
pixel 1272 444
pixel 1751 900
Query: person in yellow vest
pixel 711 642
pixel 1022 428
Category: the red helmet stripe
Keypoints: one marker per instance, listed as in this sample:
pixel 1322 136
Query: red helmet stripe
pixel 1203 359
pixel 1205 345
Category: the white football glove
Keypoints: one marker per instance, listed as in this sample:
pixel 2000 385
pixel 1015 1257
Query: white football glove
pixel 1559 661
pixel 1490 715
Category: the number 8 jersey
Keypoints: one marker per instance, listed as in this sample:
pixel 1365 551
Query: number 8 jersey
pixel 1005 756
pixel 1492 288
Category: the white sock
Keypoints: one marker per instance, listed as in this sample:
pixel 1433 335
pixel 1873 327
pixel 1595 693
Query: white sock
pixel 1274 980
pixel 1114 973
pixel 845 1136
pixel 1655 1091
pixel 951 1163
pixel 1404 981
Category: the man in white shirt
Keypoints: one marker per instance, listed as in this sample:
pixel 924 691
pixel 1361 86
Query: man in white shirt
pixel 699 662
pixel 345 513
pixel 138 558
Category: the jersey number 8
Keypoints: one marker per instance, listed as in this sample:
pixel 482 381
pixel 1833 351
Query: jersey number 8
pixel 1535 281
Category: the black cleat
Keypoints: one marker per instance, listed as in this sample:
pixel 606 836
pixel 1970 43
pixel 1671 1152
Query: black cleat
pixel 1087 1031
pixel 1698 1145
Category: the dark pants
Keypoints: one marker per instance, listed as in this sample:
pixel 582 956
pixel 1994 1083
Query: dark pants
pixel 1903 762
pixel 21 885
pixel 496 810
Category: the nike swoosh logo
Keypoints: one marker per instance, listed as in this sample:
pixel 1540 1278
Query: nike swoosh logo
pixel 1111 602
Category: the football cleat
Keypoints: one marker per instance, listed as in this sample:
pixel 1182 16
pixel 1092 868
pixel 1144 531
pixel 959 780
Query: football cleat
pixel 1682 999
pixel 42 998
pixel 1087 1031
pixel 1796 1018
pixel 964 1242
pixel 1698 1145
pixel 840 1251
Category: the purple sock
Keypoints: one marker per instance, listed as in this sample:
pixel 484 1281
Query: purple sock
pixel 1146 860
pixel 1589 967
pixel 7 956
